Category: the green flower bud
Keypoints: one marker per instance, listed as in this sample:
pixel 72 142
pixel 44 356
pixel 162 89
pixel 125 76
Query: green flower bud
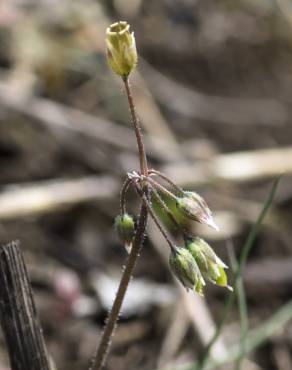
pixel 210 265
pixel 125 227
pixel 185 268
pixel 193 206
pixel 121 48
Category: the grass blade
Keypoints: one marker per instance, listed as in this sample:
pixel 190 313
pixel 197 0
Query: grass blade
pixel 242 306
pixel 242 261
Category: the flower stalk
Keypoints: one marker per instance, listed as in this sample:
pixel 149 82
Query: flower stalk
pixel 154 217
pixel 190 263
pixel 111 322
pixel 124 190
pixel 119 43
pixel 135 122
pixel 161 188
pixel 177 188
pixel 166 209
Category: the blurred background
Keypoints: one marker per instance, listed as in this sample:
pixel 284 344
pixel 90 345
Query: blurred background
pixel 213 90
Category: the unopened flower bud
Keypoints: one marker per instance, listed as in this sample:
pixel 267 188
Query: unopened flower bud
pixel 210 265
pixel 185 268
pixel 193 206
pixel 121 48
pixel 125 227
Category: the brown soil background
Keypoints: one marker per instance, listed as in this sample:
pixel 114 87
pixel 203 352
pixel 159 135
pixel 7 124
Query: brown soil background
pixel 214 79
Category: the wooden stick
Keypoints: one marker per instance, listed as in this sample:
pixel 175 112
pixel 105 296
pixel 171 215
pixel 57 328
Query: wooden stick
pixel 18 316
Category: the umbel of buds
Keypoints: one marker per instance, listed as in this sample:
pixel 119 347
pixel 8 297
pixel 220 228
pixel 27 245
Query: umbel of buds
pixel 125 227
pixel 185 268
pixel 210 265
pixel 193 206
pixel 121 48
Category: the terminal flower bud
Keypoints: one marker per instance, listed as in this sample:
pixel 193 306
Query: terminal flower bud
pixel 193 206
pixel 121 48
pixel 185 268
pixel 210 265
pixel 125 227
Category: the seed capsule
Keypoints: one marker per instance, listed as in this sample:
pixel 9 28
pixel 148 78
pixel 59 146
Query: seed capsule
pixel 125 227
pixel 193 206
pixel 210 265
pixel 185 268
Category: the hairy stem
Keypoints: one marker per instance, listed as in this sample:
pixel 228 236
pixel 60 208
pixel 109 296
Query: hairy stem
pixel 135 121
pixel 105 342
pixel 111 322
